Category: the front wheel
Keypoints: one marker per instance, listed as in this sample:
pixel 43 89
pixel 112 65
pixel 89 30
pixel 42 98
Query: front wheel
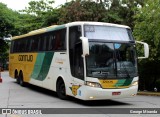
pixel 61 90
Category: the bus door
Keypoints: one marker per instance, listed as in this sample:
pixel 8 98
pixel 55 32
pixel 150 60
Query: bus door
pixel 75 57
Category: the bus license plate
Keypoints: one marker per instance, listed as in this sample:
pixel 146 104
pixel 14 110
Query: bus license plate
pixel 116 93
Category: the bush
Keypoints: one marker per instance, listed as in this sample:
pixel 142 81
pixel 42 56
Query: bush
pixel 158 85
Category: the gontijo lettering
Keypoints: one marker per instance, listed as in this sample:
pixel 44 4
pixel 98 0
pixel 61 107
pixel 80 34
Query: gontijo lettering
pixel 28 58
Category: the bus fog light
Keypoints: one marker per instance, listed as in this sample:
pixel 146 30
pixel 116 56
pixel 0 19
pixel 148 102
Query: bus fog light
pixel 93 84
pixel 135 83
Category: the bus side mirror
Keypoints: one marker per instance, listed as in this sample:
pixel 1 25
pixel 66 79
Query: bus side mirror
pixel 146 49
pixel 85 46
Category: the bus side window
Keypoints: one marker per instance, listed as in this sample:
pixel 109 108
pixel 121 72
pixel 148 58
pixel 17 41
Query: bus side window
pixel 42 43
pixel 63 39
pixel 12 46
pixel 23 45
pixel 57 44
pixel 29 44
pixel 34 44
pixel 60 43
pixel 51 41
pixel 47 39
pixel 18 46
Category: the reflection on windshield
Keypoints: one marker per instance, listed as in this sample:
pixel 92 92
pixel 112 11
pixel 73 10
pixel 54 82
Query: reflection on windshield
pixel 107 33
pixel 111 60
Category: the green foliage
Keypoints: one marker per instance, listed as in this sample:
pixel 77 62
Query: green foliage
pixel 81 11
pixel 147 29
pixel 14 23
pixel 26 23
pixel 3 51
pixel 3 46
pixel 39 8
pixel 7 19
pixel 123 11
pixel 113 11
pixel 41 13
pixel 158 84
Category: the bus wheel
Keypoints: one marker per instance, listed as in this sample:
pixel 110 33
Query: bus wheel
pixel 17 79
pixel 61 90
pixel 21 82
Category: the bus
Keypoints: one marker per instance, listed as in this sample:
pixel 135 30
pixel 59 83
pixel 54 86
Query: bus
pixel 85 60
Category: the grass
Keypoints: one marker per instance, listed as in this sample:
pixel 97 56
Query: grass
pixel 148 93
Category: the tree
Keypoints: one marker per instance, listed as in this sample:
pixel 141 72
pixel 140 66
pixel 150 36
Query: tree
pixel 43 13
pixel 123 11
pixel 3 52
pixel 112 11
pixel 26 23
pixel 82 11
pixel 7 19
pixel 147 29
pixel 39 8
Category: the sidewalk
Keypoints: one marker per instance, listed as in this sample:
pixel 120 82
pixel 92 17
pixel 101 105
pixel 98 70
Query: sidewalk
pixel 147 93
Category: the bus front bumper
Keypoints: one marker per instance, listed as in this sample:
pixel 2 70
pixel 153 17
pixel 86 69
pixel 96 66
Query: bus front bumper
pixel 92 93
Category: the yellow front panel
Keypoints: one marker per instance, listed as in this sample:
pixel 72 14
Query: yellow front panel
pixel 108 83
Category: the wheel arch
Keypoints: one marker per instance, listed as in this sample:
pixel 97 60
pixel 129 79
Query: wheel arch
pixel 60 78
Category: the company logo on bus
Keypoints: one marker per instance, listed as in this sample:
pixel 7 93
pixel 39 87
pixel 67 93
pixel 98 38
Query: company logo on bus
pixel 108 81
pixel 28 58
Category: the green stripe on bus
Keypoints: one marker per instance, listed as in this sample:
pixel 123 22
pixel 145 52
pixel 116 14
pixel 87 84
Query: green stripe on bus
pixel 120 83
pixel 38 65
pixel 44 66
pixel 128 82
pixel 123 82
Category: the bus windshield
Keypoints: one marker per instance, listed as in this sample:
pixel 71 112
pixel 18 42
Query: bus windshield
pixel 112 53
pixel 111 60
pixel 108 33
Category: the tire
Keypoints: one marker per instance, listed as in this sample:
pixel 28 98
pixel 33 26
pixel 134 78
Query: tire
pixel 21 82
pixel 61 90
pixel 17 78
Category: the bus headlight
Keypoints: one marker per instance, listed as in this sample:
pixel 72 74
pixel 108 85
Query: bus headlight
pixel 93 84
pixel 135 83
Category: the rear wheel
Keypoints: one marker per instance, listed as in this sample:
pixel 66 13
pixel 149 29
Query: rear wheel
pixel 17 78
pixel 20 77
pixel 61 90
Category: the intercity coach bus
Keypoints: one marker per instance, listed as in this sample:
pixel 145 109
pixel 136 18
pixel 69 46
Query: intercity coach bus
pixel 86 60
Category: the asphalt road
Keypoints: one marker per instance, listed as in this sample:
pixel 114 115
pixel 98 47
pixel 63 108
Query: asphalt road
pixel 14 96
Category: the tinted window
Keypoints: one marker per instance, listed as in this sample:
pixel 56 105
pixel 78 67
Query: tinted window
pixel 60 42
pixel 75 52
pixel 51 41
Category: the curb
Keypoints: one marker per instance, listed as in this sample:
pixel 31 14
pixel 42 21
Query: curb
pixel 149 93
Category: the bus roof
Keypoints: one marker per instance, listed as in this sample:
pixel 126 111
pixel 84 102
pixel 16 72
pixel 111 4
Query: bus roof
pixel 57 27
pixel 96 23
pixel 40 31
